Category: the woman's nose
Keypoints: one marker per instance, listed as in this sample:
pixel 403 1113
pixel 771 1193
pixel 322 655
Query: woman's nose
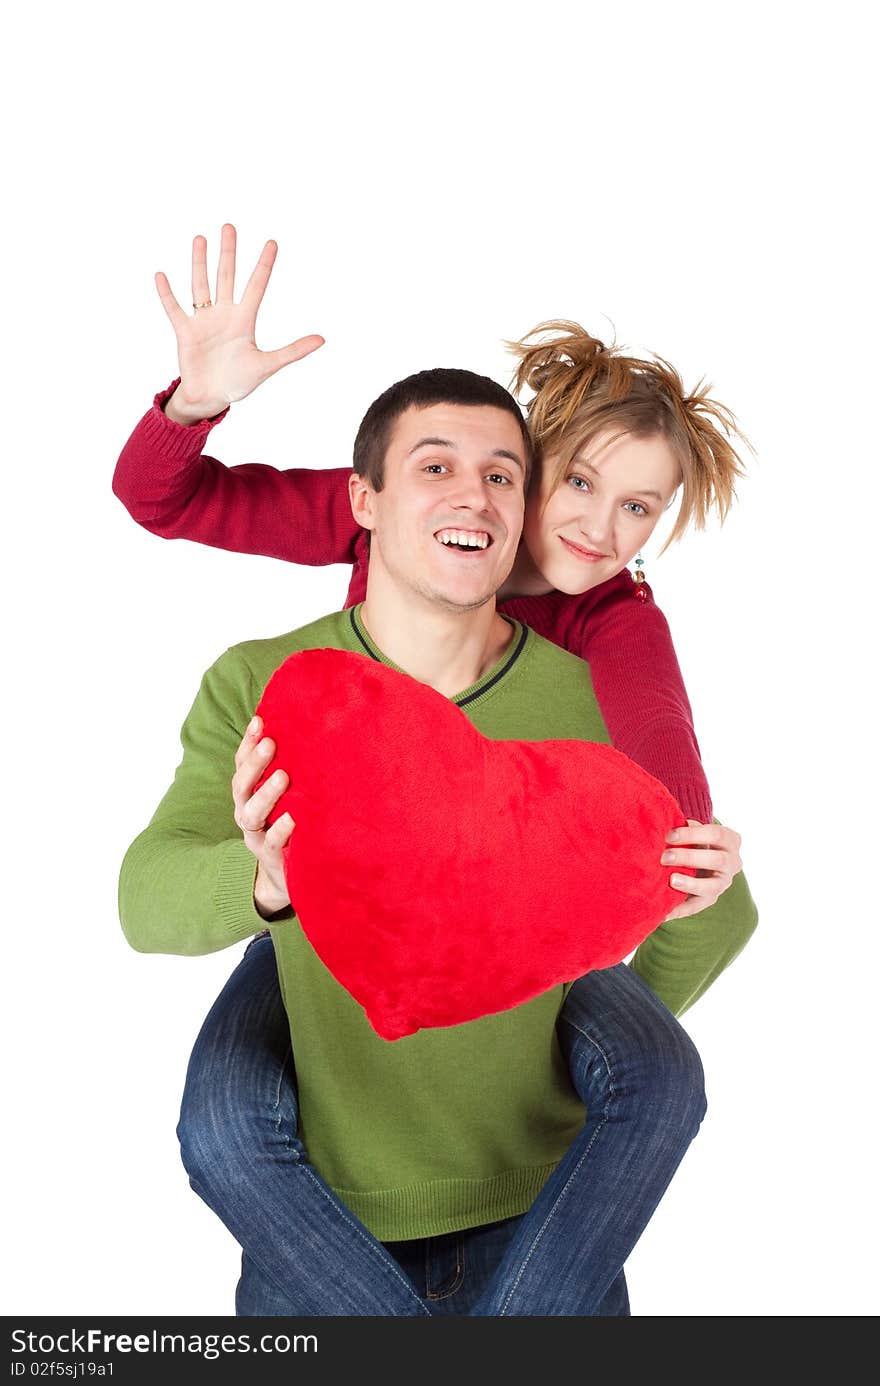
pixel 596 525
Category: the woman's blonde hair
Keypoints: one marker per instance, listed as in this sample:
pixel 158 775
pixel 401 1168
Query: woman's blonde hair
pixel 583 388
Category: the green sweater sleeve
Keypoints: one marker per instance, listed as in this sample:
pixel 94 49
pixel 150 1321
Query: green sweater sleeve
pixel 682 958
pixel 186 883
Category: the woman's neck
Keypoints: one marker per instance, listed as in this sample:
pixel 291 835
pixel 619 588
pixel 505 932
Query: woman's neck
pixel 525 578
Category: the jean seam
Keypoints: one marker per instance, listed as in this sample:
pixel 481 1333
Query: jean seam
pixel 276 1105
pixel 562 1192
pixel 386 1258
pixel 458 1280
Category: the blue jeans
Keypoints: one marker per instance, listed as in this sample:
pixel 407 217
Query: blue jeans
pixel 305 1252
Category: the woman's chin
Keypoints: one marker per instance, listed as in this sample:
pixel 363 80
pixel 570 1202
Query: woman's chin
pixel 576 584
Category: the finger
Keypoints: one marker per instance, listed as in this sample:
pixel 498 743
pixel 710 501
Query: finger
pixel 169 302
pixel 274 360
pixel 252 768
pixel 708 839
pixel 701 858
pixel 697 834
pixel 226 265
pixel 201 290
pixel 690 907
pixel 252 816
pixel 699 898
pixel 702 886
pixel 279 834
pixel 256 285
pixel 249 740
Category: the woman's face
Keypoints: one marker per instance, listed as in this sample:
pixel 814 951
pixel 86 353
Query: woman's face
pixel 602 511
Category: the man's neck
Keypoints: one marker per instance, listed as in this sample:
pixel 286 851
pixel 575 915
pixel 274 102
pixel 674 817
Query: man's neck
pixel 448 650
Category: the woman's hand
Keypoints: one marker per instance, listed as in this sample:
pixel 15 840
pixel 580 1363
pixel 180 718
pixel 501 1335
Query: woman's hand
pixel 219 359
pixel 714 851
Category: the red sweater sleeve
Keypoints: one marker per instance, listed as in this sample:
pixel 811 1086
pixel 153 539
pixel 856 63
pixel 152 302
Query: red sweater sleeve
pixel 172 489
pixel 636 677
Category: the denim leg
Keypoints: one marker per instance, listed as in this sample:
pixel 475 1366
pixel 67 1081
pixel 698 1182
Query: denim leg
pixel 305 1252
pixel 614 1304
pixel 641 1080
pixel 453 1270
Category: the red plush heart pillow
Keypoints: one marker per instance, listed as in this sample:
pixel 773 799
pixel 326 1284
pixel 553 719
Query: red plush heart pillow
pixel 441 875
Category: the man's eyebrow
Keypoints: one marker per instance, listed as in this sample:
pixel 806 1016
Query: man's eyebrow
pixel 448 443
pixel 588 466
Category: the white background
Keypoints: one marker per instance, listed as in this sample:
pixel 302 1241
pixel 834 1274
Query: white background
pixel 439 178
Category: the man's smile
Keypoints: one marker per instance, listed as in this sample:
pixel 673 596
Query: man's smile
pixel 464 540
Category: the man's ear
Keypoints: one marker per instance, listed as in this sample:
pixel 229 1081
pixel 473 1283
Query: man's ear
pixel 362 498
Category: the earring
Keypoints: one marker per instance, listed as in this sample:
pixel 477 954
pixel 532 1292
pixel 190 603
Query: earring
pixel 639 591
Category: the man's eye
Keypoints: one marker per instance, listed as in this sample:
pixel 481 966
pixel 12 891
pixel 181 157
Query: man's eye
pixel 499 476
pixel 435 468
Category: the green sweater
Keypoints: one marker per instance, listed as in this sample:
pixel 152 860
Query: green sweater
pixel 441 1130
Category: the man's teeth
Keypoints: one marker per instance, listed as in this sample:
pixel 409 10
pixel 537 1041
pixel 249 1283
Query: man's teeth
pixel 467 540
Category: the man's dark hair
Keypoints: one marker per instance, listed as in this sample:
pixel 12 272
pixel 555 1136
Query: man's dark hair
pixel 438 386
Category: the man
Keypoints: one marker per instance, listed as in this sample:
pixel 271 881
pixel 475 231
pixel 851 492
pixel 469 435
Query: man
pixel 468 1127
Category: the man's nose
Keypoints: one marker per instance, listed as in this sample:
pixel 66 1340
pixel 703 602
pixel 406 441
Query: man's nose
pixel 470 492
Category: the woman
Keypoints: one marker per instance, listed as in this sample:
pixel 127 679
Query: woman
pixel 616 436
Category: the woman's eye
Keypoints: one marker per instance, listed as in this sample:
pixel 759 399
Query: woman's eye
pixel 635 508
pixel 579 483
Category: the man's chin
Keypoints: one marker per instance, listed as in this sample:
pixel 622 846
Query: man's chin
pixel 448 599
pixel 451 602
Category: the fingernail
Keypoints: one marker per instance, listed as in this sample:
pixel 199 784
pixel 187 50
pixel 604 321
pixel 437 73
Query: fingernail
pixel 254 726
pixel 673 836
pixel 263 748
pixel 667 858
pixel 679 882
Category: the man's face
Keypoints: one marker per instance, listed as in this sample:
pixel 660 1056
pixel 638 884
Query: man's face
pixel 448 519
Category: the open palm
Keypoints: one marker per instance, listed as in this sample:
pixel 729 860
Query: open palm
pixel 219 359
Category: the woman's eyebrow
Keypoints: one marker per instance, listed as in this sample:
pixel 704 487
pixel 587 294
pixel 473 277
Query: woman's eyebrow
pixel 588 467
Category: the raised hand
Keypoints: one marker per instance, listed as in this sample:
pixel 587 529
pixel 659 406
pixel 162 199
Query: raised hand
pixel 219 359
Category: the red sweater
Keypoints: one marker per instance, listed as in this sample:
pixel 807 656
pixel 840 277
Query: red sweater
pixel 304 516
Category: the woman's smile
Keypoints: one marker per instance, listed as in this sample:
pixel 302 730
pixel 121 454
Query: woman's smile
pixel 588 555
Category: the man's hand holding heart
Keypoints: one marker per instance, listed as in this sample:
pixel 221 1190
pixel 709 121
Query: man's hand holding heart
pixel 252 809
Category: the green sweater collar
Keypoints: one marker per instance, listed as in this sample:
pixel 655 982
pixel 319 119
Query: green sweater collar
pixel 476 690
